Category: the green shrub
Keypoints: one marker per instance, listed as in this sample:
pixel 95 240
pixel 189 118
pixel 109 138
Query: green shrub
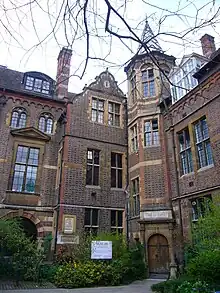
pixel 170 286
pixel 48 272
pixel 205 266
pixel 19 256
pixel 195 287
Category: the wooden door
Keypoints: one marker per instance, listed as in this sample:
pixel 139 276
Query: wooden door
pixel 158 254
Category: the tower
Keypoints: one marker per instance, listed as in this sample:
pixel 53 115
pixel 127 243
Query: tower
pixel 150 211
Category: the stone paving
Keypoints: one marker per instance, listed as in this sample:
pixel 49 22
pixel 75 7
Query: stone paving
pixel 136 287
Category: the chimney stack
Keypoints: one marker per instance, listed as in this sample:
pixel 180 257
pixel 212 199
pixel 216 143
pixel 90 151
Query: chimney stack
pixel 208 45
pixel 63 72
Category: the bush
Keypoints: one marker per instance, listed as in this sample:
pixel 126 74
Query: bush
pixel 123 270
pixel 195 287
pixel 20 257
pixel 170 286
pixel 205 266
pixel 48 272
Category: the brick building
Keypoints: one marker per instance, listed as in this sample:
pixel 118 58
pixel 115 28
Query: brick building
pixel 62 155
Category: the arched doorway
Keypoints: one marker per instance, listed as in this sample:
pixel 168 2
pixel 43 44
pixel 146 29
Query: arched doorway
pixel 29 228
pixel 158 254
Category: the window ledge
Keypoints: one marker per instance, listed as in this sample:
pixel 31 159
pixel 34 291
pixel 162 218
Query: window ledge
pixel 23 192
pixel 117 189
pixel 206 167
pixel 93 186
pixel 115 126
pixel 152 146
pixel 187 174
pixel 134 217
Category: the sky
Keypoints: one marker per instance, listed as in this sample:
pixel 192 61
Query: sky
pixel 27 42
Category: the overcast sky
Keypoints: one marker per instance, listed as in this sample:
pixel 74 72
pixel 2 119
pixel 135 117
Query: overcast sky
pixel 22 29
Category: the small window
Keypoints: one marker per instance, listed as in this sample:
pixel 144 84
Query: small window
pixel 203 145
pixel 113 114
pixel 91 221
pixel 200 206
pixel 97 110
pixel 25 169
pixel 116 170
pixel 148 83
pixel 46 123
pixel 92 173
pixel 135 197
pixel 151 133
pixel 37 85
pixel 133 88
pixel 18 118
pixel 134 138
pixel 117 222
pixel 185 152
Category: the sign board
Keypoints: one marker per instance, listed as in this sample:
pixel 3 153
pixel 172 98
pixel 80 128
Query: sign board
pixel 101 250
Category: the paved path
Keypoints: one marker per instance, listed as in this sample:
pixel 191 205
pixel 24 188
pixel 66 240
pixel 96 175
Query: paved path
pixel 136 287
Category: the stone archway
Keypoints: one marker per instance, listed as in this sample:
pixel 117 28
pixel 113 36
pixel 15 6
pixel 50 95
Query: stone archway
pixel 28 227
pixel 158 254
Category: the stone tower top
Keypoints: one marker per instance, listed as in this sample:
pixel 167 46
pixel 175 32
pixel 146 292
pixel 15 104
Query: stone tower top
pixel 149 39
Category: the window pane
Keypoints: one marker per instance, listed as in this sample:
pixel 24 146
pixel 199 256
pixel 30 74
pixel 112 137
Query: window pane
pixel 94 103
pixel 113 218
pixel 205 133
pixel 21 156
pixel 147 126
pixel 89 156
pixel 46 87
pixel 119 161
pixel 138 204
pixel 29 83
pixel 155 124
pixel 94 115
pixel 150 73
pixel 190 161
pixel 117 108
pixel 14 119
pixel 144 75
pixel 22 120
pixel 145 89
pixel 198 132
pixel 89 175
pixel 33 157
pixel 117 120
pixel 87 217
pixel 110 119
pixel 120 218
pixel 42 122
pixel 100 117
pixel 187 138
pixel 155 138
pixel 96 176
pixel 18 178
pixel 113 177
pixel 201 155
pixel 31 176
pixel 148 139
pixel 37 85
pixel 96 157
pixel 110 107
pixel 49 126
pixel 151 88
pixel 119 179
pixel 184 163
pixel 113 159
pixel 95 217
pixel 208 153
pixel 101 105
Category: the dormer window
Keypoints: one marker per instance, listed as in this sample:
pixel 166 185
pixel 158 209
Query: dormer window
pixel 38 82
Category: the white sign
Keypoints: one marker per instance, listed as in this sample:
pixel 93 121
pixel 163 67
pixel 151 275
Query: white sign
pixel 167 214
pixel 101 250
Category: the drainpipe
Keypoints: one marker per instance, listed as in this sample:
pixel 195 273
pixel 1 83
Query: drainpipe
pixel 177 183
pixel 127 172
pixel 60 183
